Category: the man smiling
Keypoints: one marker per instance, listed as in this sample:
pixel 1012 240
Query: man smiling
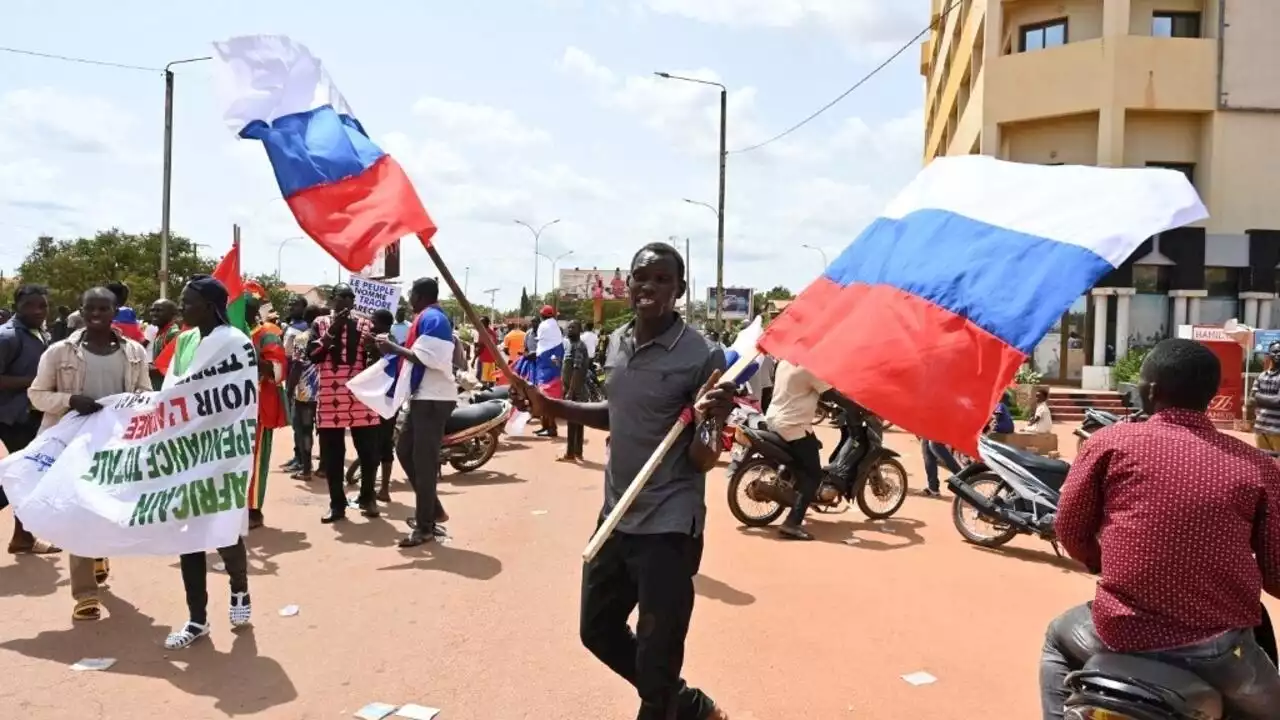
pixel 657 367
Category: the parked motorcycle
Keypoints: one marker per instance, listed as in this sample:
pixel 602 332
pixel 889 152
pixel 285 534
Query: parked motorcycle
pixel 1011 490
pixel 471 435
pixel 1095 420
pixel 744 408
pixel 864 471
pixel 1124 687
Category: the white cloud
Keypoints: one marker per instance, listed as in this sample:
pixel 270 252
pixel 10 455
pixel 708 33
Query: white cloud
pixel 579 62
pixel 478 123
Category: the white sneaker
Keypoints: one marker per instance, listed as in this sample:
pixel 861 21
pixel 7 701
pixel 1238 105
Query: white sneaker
pixel 184 638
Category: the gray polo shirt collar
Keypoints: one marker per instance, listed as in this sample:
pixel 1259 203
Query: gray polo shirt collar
pixel 667 340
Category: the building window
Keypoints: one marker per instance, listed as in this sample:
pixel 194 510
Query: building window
pixel 1043 35
pixel 1151 279
pixel 1223 282
pixel 1175 24
pixel 1188 169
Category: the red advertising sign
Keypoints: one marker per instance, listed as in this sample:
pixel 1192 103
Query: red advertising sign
pixel 1227 404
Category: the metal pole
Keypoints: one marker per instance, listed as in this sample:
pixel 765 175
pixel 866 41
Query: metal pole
pixel 166 183
pixel 466 279
pixel 688 282
pixel 724 108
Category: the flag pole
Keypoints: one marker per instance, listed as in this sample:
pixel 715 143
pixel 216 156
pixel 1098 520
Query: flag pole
pixel 473 317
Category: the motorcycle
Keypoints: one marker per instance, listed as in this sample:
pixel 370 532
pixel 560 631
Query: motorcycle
pixel 1095 420
pixel 744 407
pixel 1124 687
pixel 1014 491
pixel 863 470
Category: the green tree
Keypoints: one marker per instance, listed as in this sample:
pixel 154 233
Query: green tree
pixel 526 307
pixel 277 295
pixel 778 292
pixel 69 267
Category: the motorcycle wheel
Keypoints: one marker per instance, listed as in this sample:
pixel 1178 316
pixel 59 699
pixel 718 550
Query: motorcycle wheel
pixel 970 534
pixel 488 445
pixel 890 478
pixel 738 493
pixel 353 473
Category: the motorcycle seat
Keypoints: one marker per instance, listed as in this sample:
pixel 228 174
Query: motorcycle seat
pixel 1198 697
pixel 501 392
pixel 469 416
pixel 1029 460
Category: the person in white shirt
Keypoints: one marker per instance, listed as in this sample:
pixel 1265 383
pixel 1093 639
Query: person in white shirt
pixel 1041 420
pixel 795 401
pixel 434 395
pixel 590 339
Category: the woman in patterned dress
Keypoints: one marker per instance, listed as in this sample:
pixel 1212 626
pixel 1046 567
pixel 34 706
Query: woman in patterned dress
pixel 341 347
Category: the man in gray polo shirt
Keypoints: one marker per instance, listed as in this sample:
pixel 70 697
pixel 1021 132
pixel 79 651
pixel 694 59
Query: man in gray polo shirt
pixel 656 367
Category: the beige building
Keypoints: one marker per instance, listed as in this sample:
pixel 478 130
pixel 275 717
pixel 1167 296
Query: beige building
pixel 1192 85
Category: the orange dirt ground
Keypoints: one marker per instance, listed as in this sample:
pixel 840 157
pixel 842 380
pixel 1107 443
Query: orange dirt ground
pixel 486 627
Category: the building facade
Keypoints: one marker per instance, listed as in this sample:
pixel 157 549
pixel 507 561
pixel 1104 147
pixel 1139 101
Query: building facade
pixel 1191 85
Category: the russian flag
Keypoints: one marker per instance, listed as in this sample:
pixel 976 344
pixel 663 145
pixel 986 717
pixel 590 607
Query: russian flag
pixel 925 318
pixel 387 384
pixel 346 193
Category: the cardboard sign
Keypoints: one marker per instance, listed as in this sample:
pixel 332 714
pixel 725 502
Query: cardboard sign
pixel 372 295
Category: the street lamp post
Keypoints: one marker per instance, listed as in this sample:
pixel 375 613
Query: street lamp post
pixel 537 235
pixel 167 181
pixel 821 252
pixel 724 107
pixel 280 256
pixel 555 298
pixel 493 301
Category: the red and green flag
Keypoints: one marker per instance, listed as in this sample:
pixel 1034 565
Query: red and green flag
pixel 228 273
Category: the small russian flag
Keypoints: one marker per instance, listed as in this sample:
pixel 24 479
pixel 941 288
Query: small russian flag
pixel 346 193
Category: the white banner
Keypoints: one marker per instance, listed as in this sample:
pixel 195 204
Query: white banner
pixel 161 473
pixel 372 295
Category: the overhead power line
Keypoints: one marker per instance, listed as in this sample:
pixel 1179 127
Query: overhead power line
pixel 82 61
pixel 909 44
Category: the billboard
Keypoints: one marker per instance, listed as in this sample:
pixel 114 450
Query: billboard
pixel 737 303
pixel 593 284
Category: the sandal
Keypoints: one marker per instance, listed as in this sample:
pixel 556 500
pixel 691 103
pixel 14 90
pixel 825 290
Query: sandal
pixel 87 609
pixel 183 639
pixel 241 609
pixel 38 547
pixel 101 570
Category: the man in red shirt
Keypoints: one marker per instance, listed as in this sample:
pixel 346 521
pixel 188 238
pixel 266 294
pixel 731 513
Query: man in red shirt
pixel 1182 523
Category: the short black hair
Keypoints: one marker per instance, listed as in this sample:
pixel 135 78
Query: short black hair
pixel 99 292
pixel 665 250
pixel 314 311
pixel 427 287
pixel 26 291
pixel 383 316
pixel 589 326
pixel 120 290
pixel 1185 373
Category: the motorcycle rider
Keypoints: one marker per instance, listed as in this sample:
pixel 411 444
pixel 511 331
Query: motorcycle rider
pixel 795 400
pixel 1170 513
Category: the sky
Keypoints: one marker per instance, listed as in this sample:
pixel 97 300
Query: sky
pixel 500 110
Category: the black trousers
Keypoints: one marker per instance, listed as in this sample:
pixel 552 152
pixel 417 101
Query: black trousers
pixel 15 438
pixel 333 458
pixel 766 398
pixel 807 452
pixel 419 453
pixel 576 439
pixel 654 572
pixel 195 578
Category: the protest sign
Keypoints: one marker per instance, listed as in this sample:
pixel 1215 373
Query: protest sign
pixel 160 473
pixel 372 295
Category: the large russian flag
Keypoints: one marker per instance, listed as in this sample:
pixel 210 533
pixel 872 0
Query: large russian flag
pixel 925 318
pixel 346 193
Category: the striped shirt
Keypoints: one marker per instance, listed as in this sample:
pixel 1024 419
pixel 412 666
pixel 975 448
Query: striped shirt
pixel 1267 420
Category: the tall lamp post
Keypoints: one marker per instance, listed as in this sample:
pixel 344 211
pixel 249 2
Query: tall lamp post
pixel 555 298
pixel 493 301
pixel 167 181
pixel 537 235
pixel 821 252
pixel 280 254
pixel 724 107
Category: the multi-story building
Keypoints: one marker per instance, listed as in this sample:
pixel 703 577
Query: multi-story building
pixel 1192 85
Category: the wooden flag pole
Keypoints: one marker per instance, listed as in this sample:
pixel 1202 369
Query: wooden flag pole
pixel 473 317
pixel 633 490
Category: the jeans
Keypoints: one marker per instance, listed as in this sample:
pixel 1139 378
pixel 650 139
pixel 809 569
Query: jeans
pixel 933 452
pixel 419 453
pixel 654 572
pixel 1232 663
pixel 15 438
pixel 195 578
pixel 333 457
pixel 303 421
pixel 808 468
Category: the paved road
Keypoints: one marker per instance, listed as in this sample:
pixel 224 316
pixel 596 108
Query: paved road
pixel 486 627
